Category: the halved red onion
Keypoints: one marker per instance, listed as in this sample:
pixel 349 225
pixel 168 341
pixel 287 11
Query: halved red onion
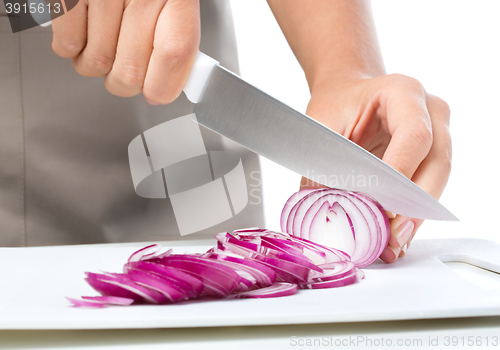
pixel 348 221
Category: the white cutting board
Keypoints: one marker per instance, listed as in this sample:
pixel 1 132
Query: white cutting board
pixel 34 282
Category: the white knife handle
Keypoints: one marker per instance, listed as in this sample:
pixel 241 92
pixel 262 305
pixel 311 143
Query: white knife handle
pixel 200 72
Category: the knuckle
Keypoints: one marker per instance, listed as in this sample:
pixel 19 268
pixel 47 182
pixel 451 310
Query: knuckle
pixel 179 50
pixel 421 135
pixel 99 64
pixel 443 105
pixel 69 47
pixel 444 111
pixel 130 77
pixel 406 83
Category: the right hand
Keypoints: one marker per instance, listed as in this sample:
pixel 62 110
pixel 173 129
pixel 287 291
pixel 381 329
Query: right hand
pixel 146 46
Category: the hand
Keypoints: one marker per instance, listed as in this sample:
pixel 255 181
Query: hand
pixel 143 46
pixel 395 119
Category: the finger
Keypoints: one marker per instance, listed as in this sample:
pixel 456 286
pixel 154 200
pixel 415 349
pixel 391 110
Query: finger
pixel 306 184
pixel 402 230
pixel 176 42
pixel 135 44
pixel 70 32
pixel 411 134
pixel 104 19
pixel 432 174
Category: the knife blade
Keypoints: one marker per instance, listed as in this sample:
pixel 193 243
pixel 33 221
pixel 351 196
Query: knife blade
pixel 231 107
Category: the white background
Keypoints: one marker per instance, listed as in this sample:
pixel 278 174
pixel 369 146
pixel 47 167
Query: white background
pixel 452 47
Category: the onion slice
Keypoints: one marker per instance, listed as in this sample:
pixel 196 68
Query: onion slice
pixel 277 290
pixel 101 301
pixel 340 282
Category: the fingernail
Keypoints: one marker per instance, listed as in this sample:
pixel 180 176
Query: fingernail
pixel 152 103
pixel 403 251
pixel 390 254
pixel 403 233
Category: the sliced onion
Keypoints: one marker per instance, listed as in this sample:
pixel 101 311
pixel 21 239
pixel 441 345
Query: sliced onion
pixel 110 300
pixel 339 270
pixel 256 250
pixel 87 303
pixel 244 285
pixel 285 270
pixel 252 263
pixel 156 283
pixel 218 280
pixel 189 284
pixel 148 253
pixel 277 290
pixel 348 221
pixel 360 274
pixel 100 301
pixel 121 285
pixel 340 282
pixel 263 275
pixel 317 253
pixel 150 250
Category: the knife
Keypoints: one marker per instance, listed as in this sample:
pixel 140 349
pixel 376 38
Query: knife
pixel 231 107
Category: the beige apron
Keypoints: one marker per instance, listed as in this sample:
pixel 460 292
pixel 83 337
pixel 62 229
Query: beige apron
pixel 64 171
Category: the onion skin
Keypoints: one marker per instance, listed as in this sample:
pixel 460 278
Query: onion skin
pixel 338 219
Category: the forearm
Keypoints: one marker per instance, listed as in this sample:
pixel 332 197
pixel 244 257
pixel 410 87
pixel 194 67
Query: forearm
pixel 332 40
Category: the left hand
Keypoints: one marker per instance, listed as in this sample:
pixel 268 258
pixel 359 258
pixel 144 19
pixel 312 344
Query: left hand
pixel 393 117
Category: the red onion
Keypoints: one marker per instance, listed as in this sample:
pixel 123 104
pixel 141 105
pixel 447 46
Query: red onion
pixel 101 301
pixel 344 281
pixel 252 263
pixel 121 285
pixel 348 221
pixel 191 286
pixel 279 289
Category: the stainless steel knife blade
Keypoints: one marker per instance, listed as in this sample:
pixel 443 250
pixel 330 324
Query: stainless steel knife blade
pixel 241 112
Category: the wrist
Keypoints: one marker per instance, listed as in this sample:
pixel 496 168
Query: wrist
pixel 328 80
